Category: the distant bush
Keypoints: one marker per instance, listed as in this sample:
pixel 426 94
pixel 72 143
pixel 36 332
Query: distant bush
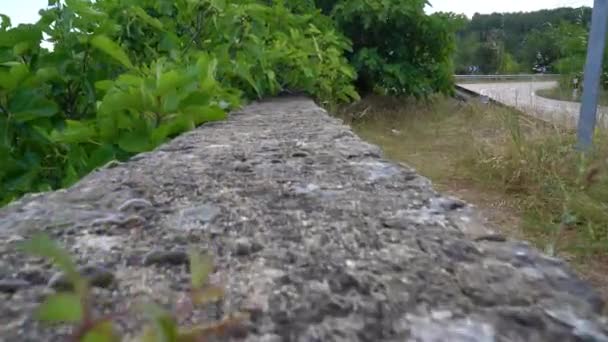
pixel 398 49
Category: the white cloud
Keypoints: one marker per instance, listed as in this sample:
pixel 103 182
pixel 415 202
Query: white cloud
pixel 22 11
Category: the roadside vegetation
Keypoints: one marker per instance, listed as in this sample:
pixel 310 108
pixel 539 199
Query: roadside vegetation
pixel 524 174
pixel 96 81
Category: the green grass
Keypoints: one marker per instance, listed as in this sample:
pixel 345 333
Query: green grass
pixel 565 94
pixel 561 199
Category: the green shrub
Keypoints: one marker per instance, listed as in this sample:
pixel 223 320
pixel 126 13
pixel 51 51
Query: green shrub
pixel 398 49
pixel 124 76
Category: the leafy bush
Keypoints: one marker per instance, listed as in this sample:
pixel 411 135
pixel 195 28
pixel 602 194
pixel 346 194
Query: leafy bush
pixel 398 49
pixel 124 76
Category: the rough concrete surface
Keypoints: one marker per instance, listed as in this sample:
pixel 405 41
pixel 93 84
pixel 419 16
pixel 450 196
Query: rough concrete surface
pixel 313 232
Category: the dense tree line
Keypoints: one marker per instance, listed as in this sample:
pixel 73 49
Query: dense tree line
pixel 521 42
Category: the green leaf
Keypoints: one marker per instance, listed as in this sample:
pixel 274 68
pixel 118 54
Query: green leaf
pixel 70 175
pixel 5 21
pixel 47 74
pixel 202 114
pixel 40 108
pixel 14 77
pixel 115 102
pixel 200 268
pixel 106 45
pixel 175 124
pixel 11 64
pixel 197 98
pixel 21 48
pixel 169 81
pixel 135 142
pixel 138 11
pixel 219 4
pixel 165 327
pixel 130 80
pixel 170 102
pixel 104 85
pixel 207 295
pixel 100 156
pixel 84 8
pixel 102 332
pixel 21 33
pixel 74 132
pixel 42 246
pixel 61 308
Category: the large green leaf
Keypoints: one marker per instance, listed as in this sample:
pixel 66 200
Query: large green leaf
pixel 27 105
pixel 202 114
pixel 46 74
pixel 22 33
pixel 61 308
pixel 170 102
pixel 101 155
pixel 115 102
pixel 176 123
pixel 146 18
pixel 135 142
pixel 165 328
pixel 108 46
pixel 75 132
pixel 70 175
pixel 201 266
pixel 85 8
pixel 102 332
pixel 170 81
pixel 12 78
pixel 5 21
pixel 197 98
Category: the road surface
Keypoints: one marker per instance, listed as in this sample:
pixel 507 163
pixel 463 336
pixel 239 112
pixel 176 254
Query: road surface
pixel 522 95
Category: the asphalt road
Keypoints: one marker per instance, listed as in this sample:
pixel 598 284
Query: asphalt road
pixel 522 95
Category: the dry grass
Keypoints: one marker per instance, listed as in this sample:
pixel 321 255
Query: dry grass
pixel 524 174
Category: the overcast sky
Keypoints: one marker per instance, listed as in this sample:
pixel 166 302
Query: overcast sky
pixel 469 7
pixel 26 11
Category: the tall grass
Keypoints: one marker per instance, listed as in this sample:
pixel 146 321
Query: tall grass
pixel 565 194
pixel 562 196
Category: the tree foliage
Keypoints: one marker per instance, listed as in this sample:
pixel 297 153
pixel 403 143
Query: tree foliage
pixel 124 76
pixel 528 40
pixel 397 48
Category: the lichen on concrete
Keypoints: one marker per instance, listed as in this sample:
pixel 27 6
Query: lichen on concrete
pixel 313 232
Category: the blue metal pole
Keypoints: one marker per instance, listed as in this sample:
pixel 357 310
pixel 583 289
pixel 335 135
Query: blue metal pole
pixel 593 72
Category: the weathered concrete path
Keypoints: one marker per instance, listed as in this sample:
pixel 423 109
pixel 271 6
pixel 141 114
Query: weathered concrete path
pixel 314 233
pixel 522 95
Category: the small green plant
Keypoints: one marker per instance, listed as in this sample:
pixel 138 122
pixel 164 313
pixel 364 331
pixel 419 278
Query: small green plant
pixel 75 306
